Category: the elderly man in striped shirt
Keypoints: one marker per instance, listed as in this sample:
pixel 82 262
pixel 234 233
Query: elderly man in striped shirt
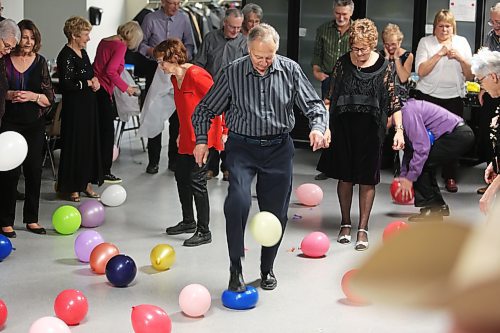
pixel 257 93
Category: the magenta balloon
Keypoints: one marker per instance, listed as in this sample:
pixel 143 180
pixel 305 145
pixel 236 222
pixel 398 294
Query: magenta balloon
pixel 85 243
pixel 309 194
pixel 315 245
pixel 92 212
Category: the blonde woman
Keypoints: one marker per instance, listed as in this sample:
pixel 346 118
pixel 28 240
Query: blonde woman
pixel 108 65
pixel 392 38
pixel 80 161
pixel 361 100
pixel 443 64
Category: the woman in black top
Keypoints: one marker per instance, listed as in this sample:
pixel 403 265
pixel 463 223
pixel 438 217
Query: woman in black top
pixel 80 162
pixel 362 97
pixel 29 96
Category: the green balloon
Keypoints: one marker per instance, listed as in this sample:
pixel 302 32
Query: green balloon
pixel 66 220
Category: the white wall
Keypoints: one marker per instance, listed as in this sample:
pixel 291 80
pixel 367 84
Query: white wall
pixel 113 15
pixel 50 15
pixel 13 9
pixel 133 7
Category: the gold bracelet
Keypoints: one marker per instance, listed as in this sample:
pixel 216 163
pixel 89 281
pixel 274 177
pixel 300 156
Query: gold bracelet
pixel 399 127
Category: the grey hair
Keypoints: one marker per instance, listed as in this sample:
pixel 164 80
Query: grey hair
pixel 495 8
pixel 343 3
pixel 485 62
pixel 9 29
pixel 233 12
pixel 252 8
pixel 264 32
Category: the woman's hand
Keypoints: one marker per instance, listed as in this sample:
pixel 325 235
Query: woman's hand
pixel 444 51
pixel 21 96
pixel 398 142
pixel 327 138
pixel 95 84
pixel 454 54
pixel 132 90
pixel 489 174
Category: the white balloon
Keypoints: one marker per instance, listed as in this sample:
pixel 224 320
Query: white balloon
pixel 114 195
pixel 49 325
pixel 13 150
pixel 266 229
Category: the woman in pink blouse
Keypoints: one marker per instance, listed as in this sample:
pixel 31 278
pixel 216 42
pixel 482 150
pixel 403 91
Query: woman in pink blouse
pixel 108 65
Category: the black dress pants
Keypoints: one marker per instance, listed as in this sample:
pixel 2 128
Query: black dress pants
pixel 106 128
pixel 154 144
pixel 32 169
pixel 272 164
pixel 192 183
pixel 448 147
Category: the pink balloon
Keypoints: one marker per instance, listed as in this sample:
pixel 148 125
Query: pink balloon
pixel 150 319
pixel 195 300
pixel 49 324
pixel 71 306
pixel 85 243
pixel 116 152
pixel 315 245
pixel 92 212
pixel 309 194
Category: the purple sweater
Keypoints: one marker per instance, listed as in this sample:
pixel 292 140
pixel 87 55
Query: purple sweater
pixel 418 117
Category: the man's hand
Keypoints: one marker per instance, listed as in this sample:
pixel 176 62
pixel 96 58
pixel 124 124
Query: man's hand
pixel 405 189
pixel 489 174
pixel 316 139
pixel 200 153
pixel 398 142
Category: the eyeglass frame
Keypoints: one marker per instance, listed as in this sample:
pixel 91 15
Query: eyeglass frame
pixel 357 50
pixel 7 46
pixel 493 23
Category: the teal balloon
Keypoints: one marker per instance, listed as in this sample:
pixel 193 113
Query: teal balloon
pixel 66 220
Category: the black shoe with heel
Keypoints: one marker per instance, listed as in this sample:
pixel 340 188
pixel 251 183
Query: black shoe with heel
pixel 38 231
pixel 268 280
pixel 8 234
pixel 236 282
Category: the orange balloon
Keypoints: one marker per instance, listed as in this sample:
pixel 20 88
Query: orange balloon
pixel 100 256
pixel 346 281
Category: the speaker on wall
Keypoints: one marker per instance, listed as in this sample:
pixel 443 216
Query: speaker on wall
pixel 95 14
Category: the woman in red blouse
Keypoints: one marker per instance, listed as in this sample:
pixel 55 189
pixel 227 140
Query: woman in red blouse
pixel 190 83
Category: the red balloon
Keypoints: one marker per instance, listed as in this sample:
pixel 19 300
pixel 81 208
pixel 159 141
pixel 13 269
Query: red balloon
pixel 71 306
pixel 3 313
pixel 346 281
pixel 393 228
pixel 398 198
pixel 148 318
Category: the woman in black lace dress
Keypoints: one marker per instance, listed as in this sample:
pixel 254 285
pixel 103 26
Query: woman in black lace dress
pixel 80 162
pixel 361 99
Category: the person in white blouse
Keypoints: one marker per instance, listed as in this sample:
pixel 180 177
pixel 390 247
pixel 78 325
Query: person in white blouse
pixel 443 64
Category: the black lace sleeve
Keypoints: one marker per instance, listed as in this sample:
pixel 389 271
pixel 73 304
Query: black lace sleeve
pixel 392 103
pixel 46 85
pixel 336 77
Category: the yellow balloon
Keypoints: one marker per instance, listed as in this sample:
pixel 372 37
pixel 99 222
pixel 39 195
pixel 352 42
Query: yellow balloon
pixel 266 229
pixel 162 257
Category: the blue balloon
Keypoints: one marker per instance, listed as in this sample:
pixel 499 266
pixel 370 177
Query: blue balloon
pixel 240 301
pixel 5 247
pixel 431 137
pixel 121 270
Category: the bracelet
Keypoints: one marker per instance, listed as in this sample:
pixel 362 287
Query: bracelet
pixel 399 127
pixel 37 98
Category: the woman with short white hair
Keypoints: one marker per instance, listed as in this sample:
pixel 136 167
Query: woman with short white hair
pixel 485 66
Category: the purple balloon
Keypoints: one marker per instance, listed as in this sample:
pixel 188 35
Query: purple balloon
pixel 85 243
pixel 92 212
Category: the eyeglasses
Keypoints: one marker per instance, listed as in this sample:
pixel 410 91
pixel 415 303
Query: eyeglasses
pixel 480 80
pixel 7 46
pixel 360 50
pixel 492 23
pixel 232 27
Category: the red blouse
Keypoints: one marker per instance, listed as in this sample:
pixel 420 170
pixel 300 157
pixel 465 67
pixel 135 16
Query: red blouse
pixel 197 82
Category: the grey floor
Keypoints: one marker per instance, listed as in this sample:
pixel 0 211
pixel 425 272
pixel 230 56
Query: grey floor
pixel 308 297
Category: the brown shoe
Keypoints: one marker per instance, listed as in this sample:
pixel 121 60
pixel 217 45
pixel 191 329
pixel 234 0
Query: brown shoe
pixel 210 174
pixel 451 185
pixel 225 176
pixel 481 190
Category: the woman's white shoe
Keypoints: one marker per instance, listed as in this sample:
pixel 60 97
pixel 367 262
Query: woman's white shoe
pixel 344 239
pixel 362 245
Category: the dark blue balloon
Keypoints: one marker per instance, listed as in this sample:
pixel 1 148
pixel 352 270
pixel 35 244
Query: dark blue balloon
pixel 121 270
pixel 240 301
pixel 5 247
pixel 431 137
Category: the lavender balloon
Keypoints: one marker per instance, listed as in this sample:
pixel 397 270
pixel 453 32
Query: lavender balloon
pixel 92 212
pixel 85 243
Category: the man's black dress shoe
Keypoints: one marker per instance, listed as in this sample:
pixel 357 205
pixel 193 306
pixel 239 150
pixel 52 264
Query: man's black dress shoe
pixel 181 228
pixel 431 214
pixel 199 238
pixel 268 281
pixel 38 231
pixel 236 282
pixel 8 234
pixel 152 169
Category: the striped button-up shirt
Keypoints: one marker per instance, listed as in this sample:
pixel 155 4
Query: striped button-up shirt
pixel 260 105
pixel 329 46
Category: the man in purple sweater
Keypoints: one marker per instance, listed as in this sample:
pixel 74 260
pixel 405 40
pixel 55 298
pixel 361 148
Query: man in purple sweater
pixel 452 138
